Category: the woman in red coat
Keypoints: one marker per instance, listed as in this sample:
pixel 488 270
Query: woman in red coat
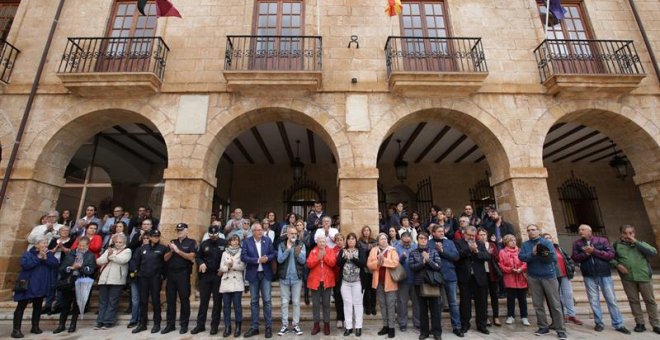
pixel 321 263
pixel 515 281
pixel 493 278
pixel 95 240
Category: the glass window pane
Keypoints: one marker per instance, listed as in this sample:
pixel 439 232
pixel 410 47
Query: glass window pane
pixel 407 22
pixel 295 8
pixel 295 21
pixel 430 22
pixel 417 22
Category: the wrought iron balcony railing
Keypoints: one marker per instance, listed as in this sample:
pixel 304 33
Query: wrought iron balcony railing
pixel 273 53
pixel 430 54
pixel 8 54
pixel 559 56
pixel 134 54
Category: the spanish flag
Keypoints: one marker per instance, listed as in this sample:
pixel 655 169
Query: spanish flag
pixel 164 8
pixel 393 7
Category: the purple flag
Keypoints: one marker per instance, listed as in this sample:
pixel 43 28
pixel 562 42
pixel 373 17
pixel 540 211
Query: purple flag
pixel 557 10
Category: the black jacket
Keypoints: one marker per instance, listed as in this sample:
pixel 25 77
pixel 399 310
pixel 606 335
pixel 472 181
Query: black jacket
pixel 87 269
pixel 505 229
pixel 419 268
pixel 469 260
pixel 210 253
pixel 149 260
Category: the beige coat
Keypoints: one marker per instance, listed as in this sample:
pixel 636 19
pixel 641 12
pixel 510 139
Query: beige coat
pixel 232 279
pixel 391 262
pixel 114 268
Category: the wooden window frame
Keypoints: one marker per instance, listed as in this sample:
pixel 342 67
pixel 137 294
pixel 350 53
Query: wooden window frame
pixel 584 17
pixel 278 21
pixel 4 31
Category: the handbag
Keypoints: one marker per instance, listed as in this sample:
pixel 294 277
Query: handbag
pixel 428 290
pixel 433 278
pixel 67 283
pixel 21 286
pixel 398 274
pixel 496 268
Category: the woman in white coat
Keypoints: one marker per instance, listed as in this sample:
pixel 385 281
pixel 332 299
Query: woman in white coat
pixel 231 286
pixel 112 278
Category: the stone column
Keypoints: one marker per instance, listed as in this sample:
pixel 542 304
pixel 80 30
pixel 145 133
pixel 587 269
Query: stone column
pixel 187 198
pixel 523 198
pixel 26 201
pixel 358 199
pixel 649 187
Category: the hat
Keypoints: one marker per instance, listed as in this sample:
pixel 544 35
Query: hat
pixel 214 230
pixel 154 233
pixel 181 226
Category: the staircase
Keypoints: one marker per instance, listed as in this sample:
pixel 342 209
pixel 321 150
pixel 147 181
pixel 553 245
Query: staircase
pixel 579 293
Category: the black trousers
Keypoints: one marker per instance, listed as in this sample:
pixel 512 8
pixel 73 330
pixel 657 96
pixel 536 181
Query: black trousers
pixel 369 296
pixel 471 291
pixel 494 294
pixel 149 287
pixel 20 309
pixel 178 283
pixel 69 305
pixel 339 302
pixel 209 285
pixel 426 305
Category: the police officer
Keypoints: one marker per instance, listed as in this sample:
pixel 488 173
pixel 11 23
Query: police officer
pixel 149 262
pixel 179 260
pixel 208 262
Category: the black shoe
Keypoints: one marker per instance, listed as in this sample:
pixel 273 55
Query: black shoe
pixel 358 332
pixel 483 330
pixel 131 324
pixel 437 337
pixel 227 331
pixel 47 311
pixel 197 329
pixel 237 332
pixel 251 332
pixel 390 333
pixel 423 336
pixel 59 329
pixel 74 322
pixel 382 331
pixel 656 330
pixel 561 335
pixel 269 333
pixel 155 328
pixel 214 330
pixel 640 328
pixel 140 328
pixel 183 330
pixel 623 330
pixel 35 330
pixel 165 330
pixel 458 333
pixel 348 332
pixel 598 328
pixel 16 333
pixel 542 331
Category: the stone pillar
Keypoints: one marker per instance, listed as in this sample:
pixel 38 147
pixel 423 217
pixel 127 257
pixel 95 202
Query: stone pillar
pixel 187 198
pixel 358 199
pixel 649 187
pixel 26 201
pixel 523 198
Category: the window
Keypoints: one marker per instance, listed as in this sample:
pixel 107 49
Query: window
pixel 426 21
pixel 580 205
pixel 574 25
pixel 278 26
pixel 299 198
pixel 482 195
pixel 8 10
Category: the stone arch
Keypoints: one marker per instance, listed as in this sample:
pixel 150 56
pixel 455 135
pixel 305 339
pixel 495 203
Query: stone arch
pixel 61 141
pixel 636 135
pixel 225 127
pixel 466 117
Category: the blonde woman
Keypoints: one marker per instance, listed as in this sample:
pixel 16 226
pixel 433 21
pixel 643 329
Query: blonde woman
pixel 382 259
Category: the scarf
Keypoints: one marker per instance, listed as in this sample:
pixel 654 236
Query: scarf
pixel 233 251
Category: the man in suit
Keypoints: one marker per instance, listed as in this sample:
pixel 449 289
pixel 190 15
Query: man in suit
pixel 257 253
pixel 472 279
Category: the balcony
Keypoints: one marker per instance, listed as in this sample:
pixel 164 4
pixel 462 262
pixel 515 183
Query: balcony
pixel 8 54
pixel 113 67
pixel 432 66
pixel 596 68
pixel 273 62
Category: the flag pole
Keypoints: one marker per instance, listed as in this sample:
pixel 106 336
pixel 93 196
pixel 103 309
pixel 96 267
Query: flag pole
pixel 318 17
pixel 547 17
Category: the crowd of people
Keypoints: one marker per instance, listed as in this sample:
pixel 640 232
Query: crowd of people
pixel 442 264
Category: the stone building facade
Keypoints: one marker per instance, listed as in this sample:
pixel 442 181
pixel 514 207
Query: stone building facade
pixel 352 104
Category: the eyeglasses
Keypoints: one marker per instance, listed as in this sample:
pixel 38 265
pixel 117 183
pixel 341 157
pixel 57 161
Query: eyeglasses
pixel 51 216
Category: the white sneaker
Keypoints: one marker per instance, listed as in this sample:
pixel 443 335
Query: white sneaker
pixel 525 321
pixel 297 330
pixel 509 320
pixel 283 330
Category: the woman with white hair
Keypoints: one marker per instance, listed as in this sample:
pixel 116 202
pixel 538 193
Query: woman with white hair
pixel 321 262
pixel 33 284
pixel 382 259
pixel 112 278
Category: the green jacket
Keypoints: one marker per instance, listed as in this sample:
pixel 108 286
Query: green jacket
pixel 634 257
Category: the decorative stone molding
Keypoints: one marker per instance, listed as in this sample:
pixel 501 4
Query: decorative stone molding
pixel 111 84
pixel 592 85
pixel 436 83
pixel 242 81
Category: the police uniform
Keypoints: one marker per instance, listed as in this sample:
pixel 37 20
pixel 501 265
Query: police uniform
pixel 178 282
pixel 210 254
pixel 149 262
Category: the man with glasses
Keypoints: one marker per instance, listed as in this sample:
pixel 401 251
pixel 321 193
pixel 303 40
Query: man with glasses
pixel 90 216
pixel 472 279
pixel 117 215
pixel 542 280
pixel 49 230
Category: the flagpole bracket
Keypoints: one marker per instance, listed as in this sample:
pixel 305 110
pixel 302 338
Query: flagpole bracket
pixel 354 39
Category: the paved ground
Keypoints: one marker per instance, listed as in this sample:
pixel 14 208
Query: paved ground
pixel 86 331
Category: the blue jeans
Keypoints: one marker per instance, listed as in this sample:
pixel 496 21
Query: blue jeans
pixel 228 299
pixel 135 302
pixel 604 283
pixel 566 296
pixel 263 286
pixel 290 292
pixel 454 311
